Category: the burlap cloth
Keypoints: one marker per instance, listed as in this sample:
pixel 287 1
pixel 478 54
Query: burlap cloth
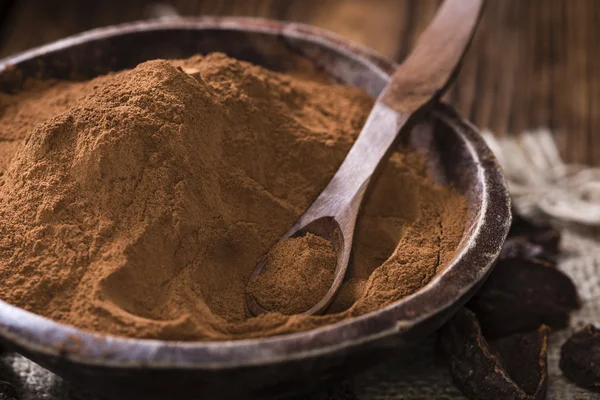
pixel 542 187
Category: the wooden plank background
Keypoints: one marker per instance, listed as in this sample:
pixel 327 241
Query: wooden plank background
pixel 534 63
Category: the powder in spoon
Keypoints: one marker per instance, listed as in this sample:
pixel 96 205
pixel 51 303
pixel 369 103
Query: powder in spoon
pixel 298 273
pixel 138 203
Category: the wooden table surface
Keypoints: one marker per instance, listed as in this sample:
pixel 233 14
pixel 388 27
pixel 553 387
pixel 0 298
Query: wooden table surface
pixel 533 63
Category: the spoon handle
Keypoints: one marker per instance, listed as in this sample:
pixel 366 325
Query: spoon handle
pixel 421 79
pixel 432 65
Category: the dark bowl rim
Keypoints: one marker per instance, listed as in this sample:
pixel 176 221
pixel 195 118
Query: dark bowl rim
pixel 39 334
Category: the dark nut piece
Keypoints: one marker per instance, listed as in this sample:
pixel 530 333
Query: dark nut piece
pixel 522 294
pixel 540 234
pixel 580 358
pixel 514 367
pixel 521 248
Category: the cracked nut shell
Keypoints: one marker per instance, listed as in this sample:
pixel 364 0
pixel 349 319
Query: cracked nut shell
pixel 514 367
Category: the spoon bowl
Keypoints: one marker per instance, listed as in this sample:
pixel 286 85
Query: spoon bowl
pixel 329 229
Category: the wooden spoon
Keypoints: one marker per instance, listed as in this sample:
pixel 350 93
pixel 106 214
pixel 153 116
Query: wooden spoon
pixel 417 84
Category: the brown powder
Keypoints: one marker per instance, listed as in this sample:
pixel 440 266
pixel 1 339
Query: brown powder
pixel 138 203
pixel 298 273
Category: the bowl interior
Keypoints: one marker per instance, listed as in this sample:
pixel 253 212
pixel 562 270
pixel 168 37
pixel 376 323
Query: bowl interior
pixel 454 150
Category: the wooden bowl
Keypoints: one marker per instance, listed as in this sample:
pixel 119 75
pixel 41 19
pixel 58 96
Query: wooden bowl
pixel 296 363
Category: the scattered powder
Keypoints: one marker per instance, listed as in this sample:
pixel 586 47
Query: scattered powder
pixel 138 203
pixel 298 273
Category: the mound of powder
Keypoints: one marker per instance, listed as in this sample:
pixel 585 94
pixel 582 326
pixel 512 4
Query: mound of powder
pixel 297 274
pixel 138 203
